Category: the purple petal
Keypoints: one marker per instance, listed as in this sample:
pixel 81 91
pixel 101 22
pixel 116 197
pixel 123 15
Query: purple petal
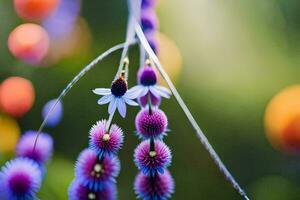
pixel 102 91
pixel 105 99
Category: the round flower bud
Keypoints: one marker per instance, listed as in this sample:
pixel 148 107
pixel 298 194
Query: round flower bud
pixel 152 161
pixel 56 114
pixel 151 124
pixel 94 173
pixel 79 192
pixel 149 20
pixel 43 149
pixel 20 179
pixel 160 186
pixel 106 143
pixel 148 4
pixel 147 76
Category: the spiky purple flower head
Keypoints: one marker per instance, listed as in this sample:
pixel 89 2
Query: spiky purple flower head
pixel 159 187
pixel 152 161
pixel 93 172
pixel 106 143
pixel 56 114
pixel 149 3
pixel 43 148
pixel 151 124
pixel 77 191
pixel 20 179
pixel 149 20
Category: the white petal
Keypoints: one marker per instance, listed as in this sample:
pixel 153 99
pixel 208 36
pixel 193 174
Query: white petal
pixel 145 91
pixel 162 91
pixel 102 91
pixel 121 107
pixel 105 99
pixel 112 105
pixel 154 92
pixel 134 92
pixel 130 102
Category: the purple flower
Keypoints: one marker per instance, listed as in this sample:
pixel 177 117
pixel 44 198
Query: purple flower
pixel 20 179
pixel 159 187
pixel 42 151
pixel 149 20
pixel 79 192
pixel 106 143
pixel 149 3
pixel 152 124
pixel 56 115
pixel 117 97
pixel 147 80
pixel 68 10
pixel 152 161
pixel 93 172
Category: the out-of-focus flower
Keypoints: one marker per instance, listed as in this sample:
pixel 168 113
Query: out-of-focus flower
pixel 56 114
pixel 152 124
pixel 118 96
pixel 9 134
pixel 29 42
pixel 43 149
pixel 93 172
pixel 105 143
pixel 16 96
pixel 20 179
pixel 159 187
pixel 150 162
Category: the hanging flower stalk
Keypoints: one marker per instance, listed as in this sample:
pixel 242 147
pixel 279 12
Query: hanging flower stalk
pixel 21 178
pixel 98 166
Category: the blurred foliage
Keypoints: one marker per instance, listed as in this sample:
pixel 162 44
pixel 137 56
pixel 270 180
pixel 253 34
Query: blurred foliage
pixel 236 56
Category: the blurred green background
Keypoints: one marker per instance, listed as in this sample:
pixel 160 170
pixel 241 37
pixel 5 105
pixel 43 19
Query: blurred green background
pixel 237 54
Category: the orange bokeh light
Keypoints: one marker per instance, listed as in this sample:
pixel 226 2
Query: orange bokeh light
pixel 29 42
pixel 35 9
pixel 16 96
pixel 282 119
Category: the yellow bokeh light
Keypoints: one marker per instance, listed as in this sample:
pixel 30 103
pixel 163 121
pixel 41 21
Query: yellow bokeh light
pixel 9 134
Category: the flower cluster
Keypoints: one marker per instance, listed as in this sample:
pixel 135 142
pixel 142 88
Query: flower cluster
pixel 98 166
pixel 150 23
pixel 20 178
pixel 152 156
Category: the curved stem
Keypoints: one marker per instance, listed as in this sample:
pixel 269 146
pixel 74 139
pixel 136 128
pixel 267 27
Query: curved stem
pixel 76 79
pixel 204 141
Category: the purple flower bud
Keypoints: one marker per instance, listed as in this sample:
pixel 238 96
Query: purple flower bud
pixel 43 148
pixel 20 179
pixel 79 192
pixel 159 187
pixel 147 76
pixel 151 124
pixel 152 161
pixel 149 21
pixel 56 115
pixel 119 87
pixel 149 3
pixel 94 173
pixel 143 101
pixel 103 143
